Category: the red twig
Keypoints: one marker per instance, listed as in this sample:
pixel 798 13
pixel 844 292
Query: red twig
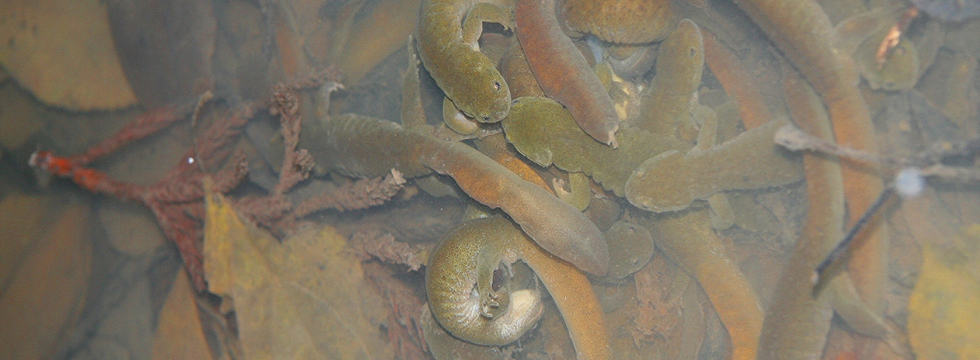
pixel 894 35
pixel 360 194
pixel 145 125
pixel 367 245
pixel 296 165
pixel 175 200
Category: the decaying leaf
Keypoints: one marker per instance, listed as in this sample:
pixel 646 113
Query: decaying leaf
pixel 179 334
pixel 301 298
pixel 165 47
pixel 62 51
pixel 46 293
pixel 943 317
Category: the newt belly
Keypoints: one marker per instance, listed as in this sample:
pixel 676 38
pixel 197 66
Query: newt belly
pixel 464 261
pixel 463 295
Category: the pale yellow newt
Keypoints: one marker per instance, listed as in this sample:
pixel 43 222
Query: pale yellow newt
pixel 448 32
pixel 466 259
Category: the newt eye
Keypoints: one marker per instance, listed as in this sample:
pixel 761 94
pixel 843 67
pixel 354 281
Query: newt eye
pixel 486 118
pixel 496 85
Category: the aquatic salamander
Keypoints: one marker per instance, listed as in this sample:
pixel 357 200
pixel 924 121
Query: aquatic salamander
pixel 468 256
pixel 801 30
pixel 672 180
pixel 563 72
pixel 360 146
pixel 544 132
pixel 621 21
pixel 448 32
pixel 463 296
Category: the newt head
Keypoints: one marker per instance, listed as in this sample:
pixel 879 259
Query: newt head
pixel 485 96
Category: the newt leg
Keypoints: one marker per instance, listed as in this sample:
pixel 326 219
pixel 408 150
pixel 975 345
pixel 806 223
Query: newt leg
pixel 484 13
pixel 456 120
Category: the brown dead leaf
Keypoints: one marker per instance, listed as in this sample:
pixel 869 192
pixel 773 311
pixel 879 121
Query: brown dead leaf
pixel 21 220
pixel 47 290
pixel 20 116
pixel 302 298
pixel 165 47
pixel 943 317
pixel 658 298
pixel 377 30
pixel 179 334
pixel 62 51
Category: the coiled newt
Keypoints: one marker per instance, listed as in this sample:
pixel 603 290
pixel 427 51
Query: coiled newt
pixel 465 261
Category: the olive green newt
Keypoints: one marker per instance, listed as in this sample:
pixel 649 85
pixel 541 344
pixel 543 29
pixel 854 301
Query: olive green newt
pixel 545 132
pixel 448 31
pixel 680 64
pixel 360 146
pixel 672 180
pixel 563 72
pixel 464 259
pixel 472 251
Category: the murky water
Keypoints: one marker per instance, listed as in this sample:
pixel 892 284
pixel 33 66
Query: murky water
pixel 206 226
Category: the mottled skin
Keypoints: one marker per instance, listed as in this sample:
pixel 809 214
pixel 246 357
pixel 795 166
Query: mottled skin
pixel 460 287
pixel 563 72
pixel 360 146
pixel 672 180
pixel 621 21
pixel 448 31
pixel 468 255
pixel 544 132
pixel 679 67
pixel 801 30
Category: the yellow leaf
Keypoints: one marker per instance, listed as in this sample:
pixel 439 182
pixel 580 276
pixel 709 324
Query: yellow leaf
pixel 302 298
pixel 943 316
pixel 62 51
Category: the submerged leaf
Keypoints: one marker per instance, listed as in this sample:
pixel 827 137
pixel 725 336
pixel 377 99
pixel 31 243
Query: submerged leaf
pixel 943 315
pixel 302 298
pixel 62 51
pixel 179 334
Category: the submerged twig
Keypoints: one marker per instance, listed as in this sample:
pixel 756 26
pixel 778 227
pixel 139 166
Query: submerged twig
pixel 907 183
pixel 842 246
pixel 927 163
pixel 794 139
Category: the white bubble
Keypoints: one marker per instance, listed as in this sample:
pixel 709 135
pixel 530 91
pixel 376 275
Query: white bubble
pixel 909 182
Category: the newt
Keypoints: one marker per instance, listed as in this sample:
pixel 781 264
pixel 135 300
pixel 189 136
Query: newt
pixel 466 259
pixel 672 180
pixel 798 320
pixel 736 80
pixel 466 295
pixel 360 146
pixel 678 75
pixel 621 21
pixel 545 132
pixel 802 31
pixel 563 72
pixel 448 33
pixel 687 238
